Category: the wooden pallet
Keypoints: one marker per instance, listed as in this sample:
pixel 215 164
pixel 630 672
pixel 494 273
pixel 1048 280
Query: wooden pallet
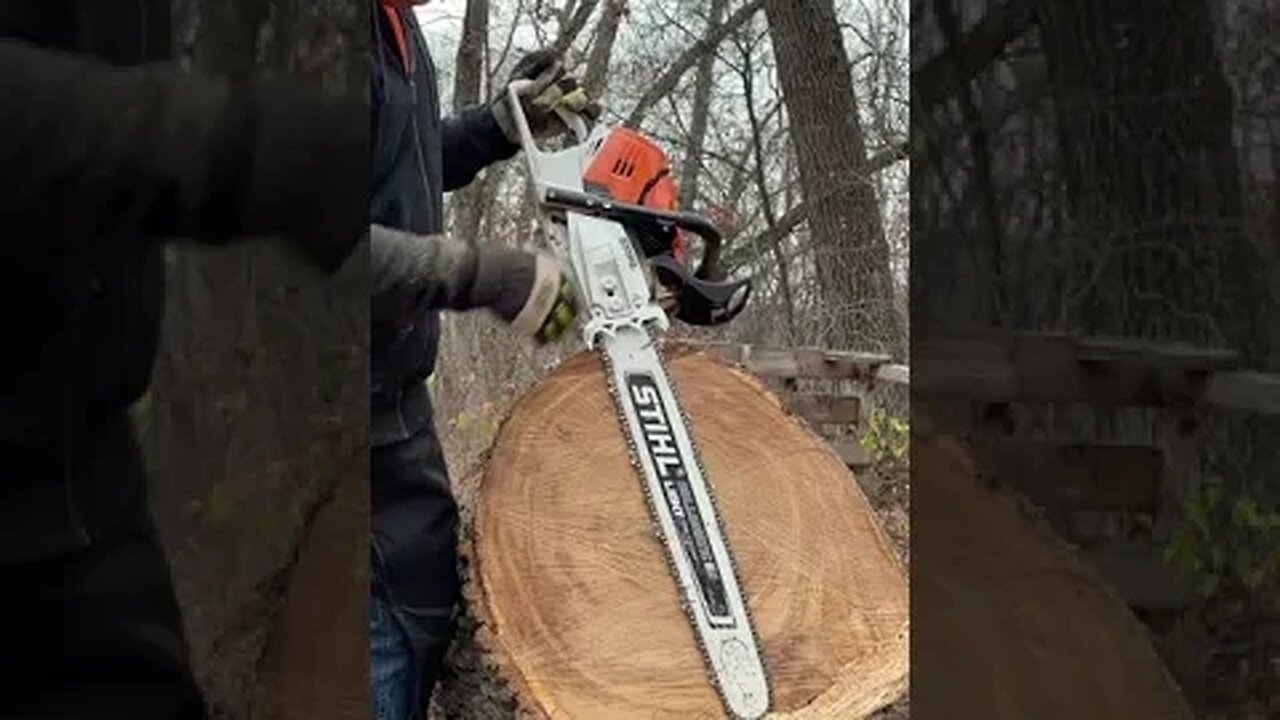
pixel 836 415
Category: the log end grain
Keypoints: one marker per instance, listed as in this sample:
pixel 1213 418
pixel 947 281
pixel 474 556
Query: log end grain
pixel 570 583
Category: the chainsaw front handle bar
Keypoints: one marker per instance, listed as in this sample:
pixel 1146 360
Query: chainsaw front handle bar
pixel 629 214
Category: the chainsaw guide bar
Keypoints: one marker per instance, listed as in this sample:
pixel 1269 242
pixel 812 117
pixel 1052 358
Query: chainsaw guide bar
pixel 686 520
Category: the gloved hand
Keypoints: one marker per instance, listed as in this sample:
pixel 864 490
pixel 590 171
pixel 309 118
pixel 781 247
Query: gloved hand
pixel 551 88
pixel 535 294
pixel 410 272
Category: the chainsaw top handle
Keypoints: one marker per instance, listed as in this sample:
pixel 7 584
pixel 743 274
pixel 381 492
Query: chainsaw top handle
pixel 575 122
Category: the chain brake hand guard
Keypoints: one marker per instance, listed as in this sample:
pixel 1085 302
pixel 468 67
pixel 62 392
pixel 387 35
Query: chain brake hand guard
pixel 700 301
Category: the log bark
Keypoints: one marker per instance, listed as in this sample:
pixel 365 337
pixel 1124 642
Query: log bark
pixel 568 587
pixel 1008 621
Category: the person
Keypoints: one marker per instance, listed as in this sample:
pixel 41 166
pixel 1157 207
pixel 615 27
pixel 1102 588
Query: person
pixel 104 159
pixel 529 291
pixel 419 155
pixel 108 149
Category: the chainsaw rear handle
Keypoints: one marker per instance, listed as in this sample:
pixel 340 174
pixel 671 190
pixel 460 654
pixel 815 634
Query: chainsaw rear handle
pixel 633 215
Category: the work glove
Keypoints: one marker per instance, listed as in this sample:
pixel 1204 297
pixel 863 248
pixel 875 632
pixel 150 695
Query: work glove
pixel 409 272
pixel 536 295
pixel 551 89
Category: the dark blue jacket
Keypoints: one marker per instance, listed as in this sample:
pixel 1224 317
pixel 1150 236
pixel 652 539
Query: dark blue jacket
pixel 417 157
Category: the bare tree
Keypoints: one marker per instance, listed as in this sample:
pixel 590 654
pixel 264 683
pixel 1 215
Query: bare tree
pixel 1160 210
pixel 851 254
pixel 670 77
pixel 468 72
pixel 692 165
pixel 573 19
pixel 596 77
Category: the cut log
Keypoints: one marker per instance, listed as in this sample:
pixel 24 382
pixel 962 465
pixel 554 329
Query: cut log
pixel 316 660
pixel 1008 621
pixel 578 613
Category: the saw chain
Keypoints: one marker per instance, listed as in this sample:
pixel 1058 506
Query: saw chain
pixel 623 323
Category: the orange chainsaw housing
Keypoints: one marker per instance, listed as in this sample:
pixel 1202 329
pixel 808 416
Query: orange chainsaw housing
pixel 632 168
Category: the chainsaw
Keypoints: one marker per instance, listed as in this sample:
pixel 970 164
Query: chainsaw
pixel 608 200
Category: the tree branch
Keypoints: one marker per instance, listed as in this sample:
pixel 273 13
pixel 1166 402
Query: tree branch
pixel 506 45
pixel 670 77
pixel 570 32
pixel 799 212
pixel 943 75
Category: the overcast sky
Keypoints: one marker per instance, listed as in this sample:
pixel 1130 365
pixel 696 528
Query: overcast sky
pixel 441 8
pixel 441 22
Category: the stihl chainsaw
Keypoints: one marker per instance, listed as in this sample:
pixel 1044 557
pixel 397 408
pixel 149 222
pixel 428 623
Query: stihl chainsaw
pixel 610 201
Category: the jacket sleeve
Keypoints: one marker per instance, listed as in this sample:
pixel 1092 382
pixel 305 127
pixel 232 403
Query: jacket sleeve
pixel 94 154
pixel 471 141
pixel 411 273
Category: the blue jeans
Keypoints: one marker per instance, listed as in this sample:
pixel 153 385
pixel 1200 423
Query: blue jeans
pixel 414 570
pixel 393 675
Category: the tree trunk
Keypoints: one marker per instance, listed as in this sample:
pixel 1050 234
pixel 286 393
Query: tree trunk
pixel 467 204
pixel 851 253
pixel 1148 158
pixel 578 615
pixel 1009 622
pixel 596 78
pixel 469 67
pixel 702 87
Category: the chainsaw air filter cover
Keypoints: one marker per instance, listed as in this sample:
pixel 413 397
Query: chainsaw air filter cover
pixel 629 167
